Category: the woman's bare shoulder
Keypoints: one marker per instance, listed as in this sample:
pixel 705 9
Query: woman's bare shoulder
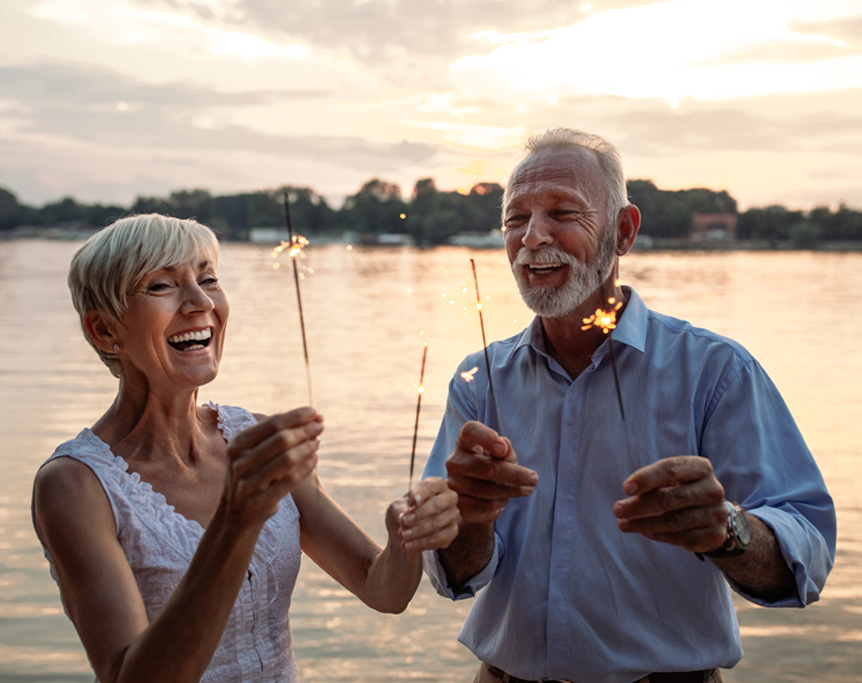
pixel 66 491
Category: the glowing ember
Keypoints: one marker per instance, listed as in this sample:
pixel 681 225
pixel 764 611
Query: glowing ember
pixel 602 319
pixel 469 375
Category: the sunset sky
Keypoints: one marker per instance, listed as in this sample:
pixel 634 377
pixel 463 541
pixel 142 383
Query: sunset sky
pixel 105 100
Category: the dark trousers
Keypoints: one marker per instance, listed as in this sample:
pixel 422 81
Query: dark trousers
pixel 491 674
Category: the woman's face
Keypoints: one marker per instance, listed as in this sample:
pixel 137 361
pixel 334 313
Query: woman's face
pixel 172 334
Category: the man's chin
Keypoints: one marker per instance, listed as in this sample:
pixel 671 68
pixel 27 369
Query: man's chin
pixel 549 302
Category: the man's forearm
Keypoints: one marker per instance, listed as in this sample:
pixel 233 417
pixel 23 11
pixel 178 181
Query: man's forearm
pixel 469 553
pixel 761 571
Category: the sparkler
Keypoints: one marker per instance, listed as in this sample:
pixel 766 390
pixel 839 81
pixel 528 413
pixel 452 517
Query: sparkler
pixel 296 244
pixel 485 350
pixel 482 325
pixel 420 389
pixel 606 320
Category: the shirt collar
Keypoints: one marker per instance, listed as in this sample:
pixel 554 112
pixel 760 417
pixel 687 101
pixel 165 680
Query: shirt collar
pixel 631 328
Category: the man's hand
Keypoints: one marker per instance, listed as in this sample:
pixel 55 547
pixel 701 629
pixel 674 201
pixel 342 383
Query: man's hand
pixel 675 500
pixel 485 473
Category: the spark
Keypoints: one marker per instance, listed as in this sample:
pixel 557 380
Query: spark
pixel 469 375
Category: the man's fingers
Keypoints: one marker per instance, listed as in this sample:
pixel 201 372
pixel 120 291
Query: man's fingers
pixel 710 517
pixel 668 472
pixel 481 467
pixel 702 493
pixel 474 434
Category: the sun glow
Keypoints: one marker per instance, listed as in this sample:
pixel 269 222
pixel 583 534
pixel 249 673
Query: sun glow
pixel 676 57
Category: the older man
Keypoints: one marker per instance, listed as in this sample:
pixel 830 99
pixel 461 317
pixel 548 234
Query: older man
pixel 588 545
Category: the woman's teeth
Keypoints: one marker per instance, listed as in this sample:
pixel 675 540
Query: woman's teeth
pixel 190 341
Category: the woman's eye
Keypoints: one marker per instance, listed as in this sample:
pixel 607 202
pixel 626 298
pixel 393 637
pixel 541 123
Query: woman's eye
pixel 210 280
pixel 157 287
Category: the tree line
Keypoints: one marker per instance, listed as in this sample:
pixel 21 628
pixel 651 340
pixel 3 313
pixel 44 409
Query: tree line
pixel 431 216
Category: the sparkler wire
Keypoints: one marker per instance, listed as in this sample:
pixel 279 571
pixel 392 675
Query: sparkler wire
pixel 482 325
pixel 620 396
pixel 298 296
pixel 485 350
pixel 421 389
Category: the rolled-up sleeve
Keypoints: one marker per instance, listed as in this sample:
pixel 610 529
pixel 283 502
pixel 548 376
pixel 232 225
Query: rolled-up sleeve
pixel 437 575
pixel 460 408
pixel 764 464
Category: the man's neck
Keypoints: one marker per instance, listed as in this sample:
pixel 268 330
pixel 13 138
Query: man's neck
pixel 566 340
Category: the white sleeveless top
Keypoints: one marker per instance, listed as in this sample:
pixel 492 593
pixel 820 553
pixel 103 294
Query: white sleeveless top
pixel 159 544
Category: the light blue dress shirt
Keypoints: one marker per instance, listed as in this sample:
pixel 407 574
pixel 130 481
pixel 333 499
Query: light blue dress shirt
pixel 566 594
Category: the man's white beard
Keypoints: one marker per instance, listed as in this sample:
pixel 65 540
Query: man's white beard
pixel 583 279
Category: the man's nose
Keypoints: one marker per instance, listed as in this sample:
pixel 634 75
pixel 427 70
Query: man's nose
pixel 538 232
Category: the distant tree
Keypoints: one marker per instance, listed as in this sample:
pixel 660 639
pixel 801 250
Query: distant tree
pixel 483 206
pixel 99 216
pixel 668 213
pixel 804 234
pixel 844 224
pixel 376 208
pixel 771 223
pixel 67 211
pixel 10 210
pixel 195 204
pixel 647 197
pixel 150 205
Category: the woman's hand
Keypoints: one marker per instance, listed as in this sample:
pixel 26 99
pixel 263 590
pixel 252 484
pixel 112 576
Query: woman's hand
pixel 269 460
pixel 426 518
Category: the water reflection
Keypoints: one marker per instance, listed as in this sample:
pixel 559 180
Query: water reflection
pixel 791 310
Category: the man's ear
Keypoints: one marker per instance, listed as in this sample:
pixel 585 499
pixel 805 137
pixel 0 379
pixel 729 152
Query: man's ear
pixel 99 330
pixel 627 231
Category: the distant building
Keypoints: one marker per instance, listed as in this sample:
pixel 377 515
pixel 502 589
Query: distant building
pixel 263 235
pixel 491 239
pixel 713 227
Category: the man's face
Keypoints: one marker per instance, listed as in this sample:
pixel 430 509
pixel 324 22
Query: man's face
pixel 557 238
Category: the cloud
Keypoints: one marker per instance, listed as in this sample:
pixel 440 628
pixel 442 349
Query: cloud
pixel 377 31
pixel 72 85
pixel 169 135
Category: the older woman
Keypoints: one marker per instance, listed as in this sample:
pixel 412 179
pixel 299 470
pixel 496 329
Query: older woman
pixel 173 529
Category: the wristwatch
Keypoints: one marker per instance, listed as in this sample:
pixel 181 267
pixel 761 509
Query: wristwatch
pixel 738 533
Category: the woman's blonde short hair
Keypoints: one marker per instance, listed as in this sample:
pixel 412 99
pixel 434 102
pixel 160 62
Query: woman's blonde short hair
pixel 112 262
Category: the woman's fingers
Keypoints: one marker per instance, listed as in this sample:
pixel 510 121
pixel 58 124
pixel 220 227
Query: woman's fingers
pixel 432 520
pixel 270 459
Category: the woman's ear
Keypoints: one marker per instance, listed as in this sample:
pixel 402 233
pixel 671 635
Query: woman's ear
pixel 99 330
pixel 629 224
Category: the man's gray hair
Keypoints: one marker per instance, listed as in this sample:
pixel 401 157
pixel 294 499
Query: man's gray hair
pixel 562 139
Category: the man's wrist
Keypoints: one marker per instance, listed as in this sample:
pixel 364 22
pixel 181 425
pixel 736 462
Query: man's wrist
pixel 738 534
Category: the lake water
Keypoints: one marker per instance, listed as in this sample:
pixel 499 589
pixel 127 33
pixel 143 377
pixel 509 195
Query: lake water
pixel 366 310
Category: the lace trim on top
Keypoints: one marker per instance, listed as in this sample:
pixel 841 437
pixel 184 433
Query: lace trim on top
pixel 159 544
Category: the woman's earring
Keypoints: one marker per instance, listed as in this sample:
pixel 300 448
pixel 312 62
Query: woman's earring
pixel 116 348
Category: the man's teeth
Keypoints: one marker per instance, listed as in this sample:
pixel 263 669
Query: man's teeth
pixel 544 266
pixel 199 335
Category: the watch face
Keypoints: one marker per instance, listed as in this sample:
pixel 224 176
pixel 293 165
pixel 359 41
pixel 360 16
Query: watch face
pixel 740 527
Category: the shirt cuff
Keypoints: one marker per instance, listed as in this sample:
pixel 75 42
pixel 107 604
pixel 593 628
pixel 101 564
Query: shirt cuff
pixel 437 575
pixel 807 557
